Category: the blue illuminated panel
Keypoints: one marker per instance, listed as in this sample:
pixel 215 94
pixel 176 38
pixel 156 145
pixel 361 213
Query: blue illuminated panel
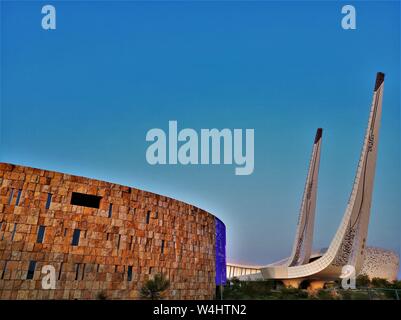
pixel 220 252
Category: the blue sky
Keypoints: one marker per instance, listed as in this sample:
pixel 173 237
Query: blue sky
pixel 80 99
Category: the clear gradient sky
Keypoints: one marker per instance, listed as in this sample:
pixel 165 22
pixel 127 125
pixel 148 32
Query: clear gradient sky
pixel 80 99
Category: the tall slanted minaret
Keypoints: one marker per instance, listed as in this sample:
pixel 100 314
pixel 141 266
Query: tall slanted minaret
pixel 352 249
pixel 302 247
pixel 349 242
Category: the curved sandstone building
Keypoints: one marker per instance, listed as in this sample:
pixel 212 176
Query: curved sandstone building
pixel 102 239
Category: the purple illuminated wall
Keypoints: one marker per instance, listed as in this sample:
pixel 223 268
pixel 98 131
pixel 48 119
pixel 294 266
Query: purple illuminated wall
pixel 220 252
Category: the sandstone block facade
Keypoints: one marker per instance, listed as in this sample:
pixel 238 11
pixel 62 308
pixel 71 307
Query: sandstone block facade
pixel 111 249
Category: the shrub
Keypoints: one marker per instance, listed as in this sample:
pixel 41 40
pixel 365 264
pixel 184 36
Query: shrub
pixel 292 294
pixel 396 284
pixel 153 289
pixel 380 283
pixel 101 295
pixel 323 294
pixel 237 289
pixel 363 281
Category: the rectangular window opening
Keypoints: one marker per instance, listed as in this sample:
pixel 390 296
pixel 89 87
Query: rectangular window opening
pixel 14 230
pixel 162 246
pixel 129 275
pixel 147 217
pixel 131 242
pixel 85 200
pixel 83 272
pixel 118 243
pixel 110 210
pixel 76 271
pixel 11 197
pixel 75 237
pixel 18 197
pixel 41 234
pixel 49 200
pixel 4 270
pixel 31 270
pixel 60 271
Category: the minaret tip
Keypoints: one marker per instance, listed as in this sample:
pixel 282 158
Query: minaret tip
pixel 319 133
pixel 379 80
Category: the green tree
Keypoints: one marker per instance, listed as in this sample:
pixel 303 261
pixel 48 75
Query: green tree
pixel 260 289
pixel 362 281
pixel 396 284
pixel 291 293
pixel 154 289
pixel 380 283
pixel 235 283
pixel 323 294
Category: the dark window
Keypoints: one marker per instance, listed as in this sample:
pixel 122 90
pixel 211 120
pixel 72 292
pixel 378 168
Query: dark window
pixel 150 270
pixel 65 232
pixel 162 246
pixel 18 197
pixel 75 237
pixel 147 217
pixel 83 272
pixel 156 215
pixel 13 234
pixel 129 278
pixel 85 200
pixel 49 200
pixel 31 270
pixel 76 271
pixel 11 197
pixel 61 269
pixel 110 209
pixel 108 236
pixel 115 268
pixel 4 270
pixel 148 244
pixel 98 266
pixel 118 243
pixel 41 234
